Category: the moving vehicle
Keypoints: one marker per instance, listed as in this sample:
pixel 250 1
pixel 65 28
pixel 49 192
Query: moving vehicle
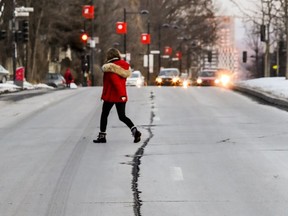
pixel 168 77
pixel 4 74
pixel 225 77
pixel 185 81
pixel 207 77
pixel 55 80
pixel 136 79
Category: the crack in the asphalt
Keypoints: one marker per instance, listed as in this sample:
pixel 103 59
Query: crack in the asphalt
pixel 137 162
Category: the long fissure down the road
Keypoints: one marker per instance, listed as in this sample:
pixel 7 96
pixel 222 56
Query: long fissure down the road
pixel 137 162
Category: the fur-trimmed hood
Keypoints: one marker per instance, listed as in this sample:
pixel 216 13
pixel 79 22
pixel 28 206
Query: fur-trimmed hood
pixel 120 67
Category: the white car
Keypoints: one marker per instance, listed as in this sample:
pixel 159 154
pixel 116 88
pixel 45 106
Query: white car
pixel 136 79
pixel 4 74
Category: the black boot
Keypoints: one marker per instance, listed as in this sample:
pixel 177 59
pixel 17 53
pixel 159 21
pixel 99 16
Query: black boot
pixel 136 134
pixel 101 138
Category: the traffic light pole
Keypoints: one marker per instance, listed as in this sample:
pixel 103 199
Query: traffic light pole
pixel 124 36
pixel 148 53
pixel 286 29
pixel 14 44
pixel 92 49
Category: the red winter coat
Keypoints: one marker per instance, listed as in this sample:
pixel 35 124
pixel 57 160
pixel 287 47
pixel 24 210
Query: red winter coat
pixel 114 81
pixel 68 76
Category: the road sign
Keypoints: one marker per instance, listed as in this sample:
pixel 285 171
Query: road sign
pixel 22 14
pixel 24 9
pixel 88 11
pixel 155 52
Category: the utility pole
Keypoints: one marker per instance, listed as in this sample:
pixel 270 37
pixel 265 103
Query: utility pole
pixel 92 46
pixel 286 29
pixel 14 44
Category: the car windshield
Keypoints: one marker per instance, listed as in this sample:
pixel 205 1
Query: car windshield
pixel 135 75
pixel 52 76
pixel 2 69
pixel 207 73
pixel 168 73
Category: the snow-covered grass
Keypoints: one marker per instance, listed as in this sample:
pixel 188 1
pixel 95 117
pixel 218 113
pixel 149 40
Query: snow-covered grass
pixel 276 86
pixel 11 87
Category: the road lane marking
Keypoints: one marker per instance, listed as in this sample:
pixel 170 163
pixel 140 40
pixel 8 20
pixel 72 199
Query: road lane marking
pixel 177 174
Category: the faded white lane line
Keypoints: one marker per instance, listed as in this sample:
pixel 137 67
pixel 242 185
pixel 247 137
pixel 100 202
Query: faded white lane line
pixel 177 174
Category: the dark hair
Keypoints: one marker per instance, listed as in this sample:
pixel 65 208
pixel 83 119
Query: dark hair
pixel 113 53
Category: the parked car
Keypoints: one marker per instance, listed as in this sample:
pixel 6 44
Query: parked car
pixel 207 78
pixel 55 80
pixel 169 77
pixel 4 74
pixel 136 79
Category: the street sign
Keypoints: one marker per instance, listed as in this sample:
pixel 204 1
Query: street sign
pixel 155 51
pixel 121 27
pixel 165 56
pixel 88 11
pixel 92 43
pixel 24 9
pixel 21 14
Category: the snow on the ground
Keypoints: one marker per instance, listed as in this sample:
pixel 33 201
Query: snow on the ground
pixel 276 86
pixel 9 86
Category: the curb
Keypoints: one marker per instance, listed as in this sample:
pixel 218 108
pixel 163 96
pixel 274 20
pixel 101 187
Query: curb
pixel 282 102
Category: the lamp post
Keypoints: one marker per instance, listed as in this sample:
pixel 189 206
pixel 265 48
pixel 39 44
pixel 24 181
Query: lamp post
pixel 92 46
pixel 142 12
pixel 286 29
pixel 165 25
pixel 14 44
pixel 148 53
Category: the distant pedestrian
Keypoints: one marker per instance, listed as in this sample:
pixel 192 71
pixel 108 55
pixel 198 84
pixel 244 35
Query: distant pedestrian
pixel 114 92
pixel 68 77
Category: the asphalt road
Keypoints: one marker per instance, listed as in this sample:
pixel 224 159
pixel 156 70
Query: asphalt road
pixel 204 151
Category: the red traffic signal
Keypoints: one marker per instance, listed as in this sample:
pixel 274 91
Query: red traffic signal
pixel 84 37
pixel 145 38
pixel 121 27
pixel 168 50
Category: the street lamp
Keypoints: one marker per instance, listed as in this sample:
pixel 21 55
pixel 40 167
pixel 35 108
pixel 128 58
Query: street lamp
pixel 165 25
pixel 142 12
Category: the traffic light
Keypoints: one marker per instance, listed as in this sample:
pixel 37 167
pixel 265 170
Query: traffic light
pixel 244 56
pixel 209 56
pixel 145 38
pixel 85 63
pixel 84 37
pixel 3 34
pixel 121 27
pixel 262 32
pixel 25 31
pixel 281 47
pixel 18 36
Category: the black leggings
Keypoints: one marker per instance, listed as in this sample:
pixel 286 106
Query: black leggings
pixel 107 106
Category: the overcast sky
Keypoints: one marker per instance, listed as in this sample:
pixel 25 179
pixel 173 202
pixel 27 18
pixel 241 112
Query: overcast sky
pixel 228 8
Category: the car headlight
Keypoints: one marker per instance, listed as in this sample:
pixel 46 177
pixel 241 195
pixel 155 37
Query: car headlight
pixel 185 84
pixel 159 80
pixel 199 81
pixel 174 79
pixel 225 79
